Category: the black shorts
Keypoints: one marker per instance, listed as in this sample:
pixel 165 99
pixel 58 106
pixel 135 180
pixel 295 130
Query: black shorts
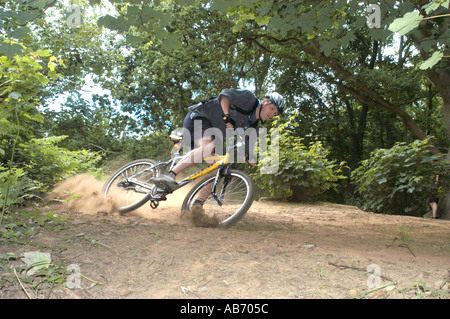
pixel 188 124
pixel 434 200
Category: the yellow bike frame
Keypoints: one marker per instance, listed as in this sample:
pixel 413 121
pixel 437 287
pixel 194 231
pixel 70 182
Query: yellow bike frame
pixel 220 159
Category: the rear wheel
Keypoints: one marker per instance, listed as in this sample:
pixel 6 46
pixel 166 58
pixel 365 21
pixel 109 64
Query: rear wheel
pixel 235 193
pixel 130 186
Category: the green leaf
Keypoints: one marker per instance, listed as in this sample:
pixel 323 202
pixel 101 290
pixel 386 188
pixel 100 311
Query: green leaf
pixel 133 40
pixel 327 46
pixel 51 66
pixel 263 20
pixel 133 14
pixel 36 260
pixel 410 21
pixel 430 62
pixel 172 42
pixel 15 95
pixel 41 78
pixel 433 5
pixel 10 49
pixel 148 13
pixel 39 4
pixel 24 16
pixel 108 21
pixel 20 32
pixel 43 53
pixel 224 5
pixel 9 255
pixel 347 38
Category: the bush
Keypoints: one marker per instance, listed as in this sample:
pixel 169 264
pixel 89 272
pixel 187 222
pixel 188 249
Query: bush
pixel 399 180
pixel 156 146
pixel 47 163
pixel 304 173
pixel 15 186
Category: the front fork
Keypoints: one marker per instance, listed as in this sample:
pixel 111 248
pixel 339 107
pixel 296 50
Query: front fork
pixel 222 171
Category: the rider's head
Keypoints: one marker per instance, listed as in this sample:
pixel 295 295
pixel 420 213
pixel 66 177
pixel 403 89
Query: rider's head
pixel 272 105
pixel 277 100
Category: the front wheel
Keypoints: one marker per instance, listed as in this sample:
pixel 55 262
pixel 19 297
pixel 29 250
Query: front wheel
pixel 130 186
pixel 233 197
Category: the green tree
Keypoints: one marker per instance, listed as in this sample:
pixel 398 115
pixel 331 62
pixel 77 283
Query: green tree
pixel 29 70
pixel 21 78
pixel 95 124
pixel 178 55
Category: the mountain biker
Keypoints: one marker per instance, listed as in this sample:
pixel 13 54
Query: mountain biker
pixel 233 108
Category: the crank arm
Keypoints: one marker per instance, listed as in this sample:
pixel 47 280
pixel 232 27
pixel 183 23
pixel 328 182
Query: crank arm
pixel 142 184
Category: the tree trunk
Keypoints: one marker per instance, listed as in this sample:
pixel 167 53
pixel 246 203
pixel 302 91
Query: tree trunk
pixel 440 78
pixel 357 131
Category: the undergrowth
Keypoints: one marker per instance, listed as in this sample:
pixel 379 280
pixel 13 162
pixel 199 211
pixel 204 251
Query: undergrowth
pixel 27 264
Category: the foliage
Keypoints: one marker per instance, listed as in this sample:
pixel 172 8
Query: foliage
pixel 16 186
pixel 304 172
pixel 15 17
pixel 156 146
pixel 90 53
pixel 42 165
pixel 48 163
pixel 159 57
pixel 330 43
pixel 164 72
pixel 23 225
pixel 94 124
pixel 37 271
pixel 412 20
pixel 21 78
pixel 399 180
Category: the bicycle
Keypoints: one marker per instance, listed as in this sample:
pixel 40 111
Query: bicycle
pixel 230 191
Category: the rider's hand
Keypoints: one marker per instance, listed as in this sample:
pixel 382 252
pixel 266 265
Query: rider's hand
pixel 229 122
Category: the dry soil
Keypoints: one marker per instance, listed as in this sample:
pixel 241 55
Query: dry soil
pixel 278 250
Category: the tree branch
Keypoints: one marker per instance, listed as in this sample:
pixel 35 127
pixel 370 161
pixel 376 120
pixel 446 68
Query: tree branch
pixel 370 97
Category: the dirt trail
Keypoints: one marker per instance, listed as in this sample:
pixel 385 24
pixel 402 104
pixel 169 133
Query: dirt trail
pixel 278 250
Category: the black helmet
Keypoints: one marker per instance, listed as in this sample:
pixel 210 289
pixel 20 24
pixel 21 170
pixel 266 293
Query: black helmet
pixel 278 100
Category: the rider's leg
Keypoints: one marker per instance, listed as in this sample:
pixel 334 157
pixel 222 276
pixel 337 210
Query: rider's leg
pixel 205 149
pixel 434 208
pixel 202 196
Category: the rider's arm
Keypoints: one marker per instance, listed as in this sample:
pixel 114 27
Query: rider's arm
pixel 225 104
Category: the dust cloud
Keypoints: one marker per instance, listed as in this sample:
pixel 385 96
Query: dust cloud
pixel 83 194
pixel 198 218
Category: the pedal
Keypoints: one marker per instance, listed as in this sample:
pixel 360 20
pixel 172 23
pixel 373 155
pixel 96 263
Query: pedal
pixel 162 186
pixel 123 184
pixel 154 204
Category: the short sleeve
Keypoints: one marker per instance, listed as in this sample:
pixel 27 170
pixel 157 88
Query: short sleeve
pixel 243 99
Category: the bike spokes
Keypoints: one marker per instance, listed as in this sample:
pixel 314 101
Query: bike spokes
pixel 227 201
pixel 130 186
